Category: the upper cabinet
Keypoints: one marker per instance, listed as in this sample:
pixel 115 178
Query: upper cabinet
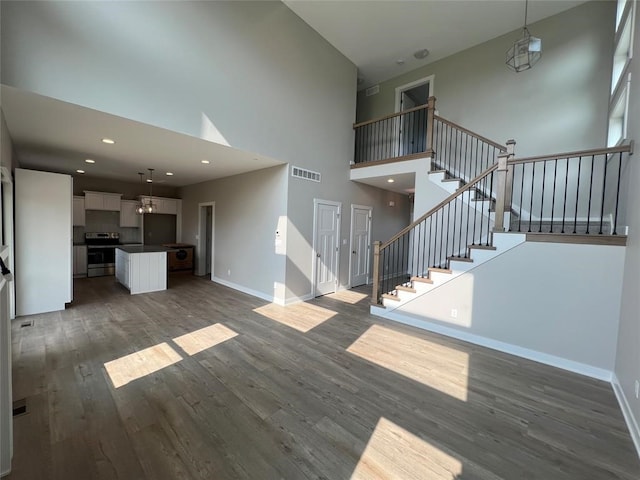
pixel 128 215
pixel 78 212
pixel 171 206
pixel 102 201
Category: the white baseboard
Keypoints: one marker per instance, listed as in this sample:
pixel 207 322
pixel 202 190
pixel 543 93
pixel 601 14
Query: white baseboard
pixel 547 359
pixel 632 423
pixel 262 295
pixel 243 289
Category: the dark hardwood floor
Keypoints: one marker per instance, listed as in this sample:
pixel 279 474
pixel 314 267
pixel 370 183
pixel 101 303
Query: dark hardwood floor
pixel 203 382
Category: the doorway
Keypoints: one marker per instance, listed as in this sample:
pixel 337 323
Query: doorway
pixel 206 230
pixel 360 245
pixel 412 133
pixel 326 246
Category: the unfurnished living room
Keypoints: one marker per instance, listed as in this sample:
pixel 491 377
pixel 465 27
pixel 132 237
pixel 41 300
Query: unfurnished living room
pixel 315 239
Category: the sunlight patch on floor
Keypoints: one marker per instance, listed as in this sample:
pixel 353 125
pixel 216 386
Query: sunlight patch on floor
pixel 139 364
pixel 204 338
pixel 394 453
pixel 434 365
pixel 301 316
pixel 347 296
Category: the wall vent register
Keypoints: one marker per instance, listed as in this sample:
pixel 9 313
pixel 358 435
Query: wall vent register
pixel 305 174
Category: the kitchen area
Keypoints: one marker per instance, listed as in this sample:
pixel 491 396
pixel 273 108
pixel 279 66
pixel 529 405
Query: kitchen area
pixel 106 225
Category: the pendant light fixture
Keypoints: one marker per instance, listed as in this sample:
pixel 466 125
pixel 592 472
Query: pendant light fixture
pixel 140 207
pixel 149 207
pixel 526 51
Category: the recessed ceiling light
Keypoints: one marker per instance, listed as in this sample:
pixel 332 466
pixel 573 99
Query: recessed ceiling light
pixel 169 174
pixel 149 180
pixel 206 162
pixel 400 61
pixel 108 141
pixel 80 171
pixel 391 180
pixel 88 160
pixel 421 54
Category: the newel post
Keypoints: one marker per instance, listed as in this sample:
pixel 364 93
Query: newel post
pixel 504 185
pixel 376 272
pixel 431 109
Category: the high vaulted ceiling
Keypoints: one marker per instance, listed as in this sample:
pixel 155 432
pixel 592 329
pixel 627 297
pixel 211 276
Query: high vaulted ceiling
pixel 376 34
pixel 373 34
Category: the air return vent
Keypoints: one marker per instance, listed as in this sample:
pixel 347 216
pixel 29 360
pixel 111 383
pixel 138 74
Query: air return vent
pixel 305 174
pixel 372 90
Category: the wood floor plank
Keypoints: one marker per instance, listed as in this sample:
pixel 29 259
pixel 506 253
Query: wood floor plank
pixel 319 391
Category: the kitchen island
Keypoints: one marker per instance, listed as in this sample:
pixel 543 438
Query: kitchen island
pixel 142 268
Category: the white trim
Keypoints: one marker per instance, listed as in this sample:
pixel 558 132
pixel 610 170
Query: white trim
pixel 430 80
pixel 361 207
pixel 243 289
pixel 316 202
pixel 629 418
pixel 201 246
pixel 554 361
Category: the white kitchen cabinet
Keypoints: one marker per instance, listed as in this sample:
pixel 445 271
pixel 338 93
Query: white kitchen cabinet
pixel 128 215
pixel 102 201
pixel 78 212
pixel 79 260
pixel 171 206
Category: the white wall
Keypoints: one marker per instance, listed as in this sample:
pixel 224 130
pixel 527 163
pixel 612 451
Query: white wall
pixel 558 303
pixel 559 105
pixel 627 366
pixel 43 272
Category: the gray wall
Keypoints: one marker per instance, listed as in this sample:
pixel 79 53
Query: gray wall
pixel 559 105
pixel 266 80
pixel 247 210
pixel 7 157
pixel 537 311
pixel 628 356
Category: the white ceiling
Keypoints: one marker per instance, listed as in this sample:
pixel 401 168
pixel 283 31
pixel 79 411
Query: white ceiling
pixel 56 136
pixel 375 34
pixel 403 183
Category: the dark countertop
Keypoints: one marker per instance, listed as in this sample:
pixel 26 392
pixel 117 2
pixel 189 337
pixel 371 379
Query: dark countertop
pixel 144 248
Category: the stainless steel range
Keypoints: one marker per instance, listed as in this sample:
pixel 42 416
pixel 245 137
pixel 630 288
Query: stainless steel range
pixel 101 253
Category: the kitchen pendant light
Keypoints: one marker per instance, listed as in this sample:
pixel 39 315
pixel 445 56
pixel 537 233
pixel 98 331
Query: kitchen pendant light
pixel 150 208
pixel 140 207
pixel 526 51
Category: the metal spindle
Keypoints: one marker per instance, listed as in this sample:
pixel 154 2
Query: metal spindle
pixel 566 187
pixel 521 198
pixel 590 193
pixel 575 215
pixel 544 180
pixel 604 188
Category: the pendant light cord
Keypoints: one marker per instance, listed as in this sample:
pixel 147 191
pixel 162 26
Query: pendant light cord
pixel 526 8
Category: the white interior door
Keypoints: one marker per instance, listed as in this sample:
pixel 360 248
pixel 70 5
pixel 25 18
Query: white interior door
pixel 360 245
pixel 326 246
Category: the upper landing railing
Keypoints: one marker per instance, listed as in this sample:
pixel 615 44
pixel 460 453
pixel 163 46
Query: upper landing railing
pixel 419 132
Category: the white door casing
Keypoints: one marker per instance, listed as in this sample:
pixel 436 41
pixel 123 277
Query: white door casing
pixel 326 246
pixel 360 245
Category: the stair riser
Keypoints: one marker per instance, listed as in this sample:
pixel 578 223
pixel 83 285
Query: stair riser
pixel 422 287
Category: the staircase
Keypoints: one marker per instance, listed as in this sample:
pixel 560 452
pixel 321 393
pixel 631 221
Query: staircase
pixel 575 193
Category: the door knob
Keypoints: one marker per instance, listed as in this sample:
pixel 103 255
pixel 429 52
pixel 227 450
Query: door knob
pixel 354 252
pixel 318 255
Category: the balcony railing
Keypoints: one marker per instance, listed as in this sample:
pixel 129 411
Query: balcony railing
pixel 417 133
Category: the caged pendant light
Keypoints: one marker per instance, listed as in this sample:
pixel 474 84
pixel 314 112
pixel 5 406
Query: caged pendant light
pixel 526 51
pixel 150 207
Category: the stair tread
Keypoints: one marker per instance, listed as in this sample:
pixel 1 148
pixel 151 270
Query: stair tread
pixel 405 289
pixel 483 247
pixel 438 171
pixel 391 296
pixel 461 259
pixel 451 180
pixel 440 270
pixel 421 279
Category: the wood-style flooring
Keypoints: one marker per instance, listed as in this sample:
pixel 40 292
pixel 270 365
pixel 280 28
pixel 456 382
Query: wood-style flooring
pixel 203 382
